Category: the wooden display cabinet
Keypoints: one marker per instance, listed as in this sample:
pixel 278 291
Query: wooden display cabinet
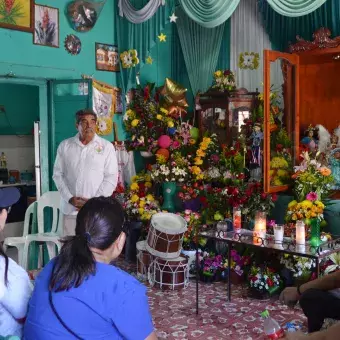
pixel 223 113
pixel 311 91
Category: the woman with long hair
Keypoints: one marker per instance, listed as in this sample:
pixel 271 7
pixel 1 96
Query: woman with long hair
pixel 15 286
pixel 80 295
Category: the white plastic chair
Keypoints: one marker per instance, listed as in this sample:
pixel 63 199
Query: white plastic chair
pixel 48 199
pixel 19 241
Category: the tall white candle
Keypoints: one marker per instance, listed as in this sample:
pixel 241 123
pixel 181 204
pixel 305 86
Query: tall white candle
pixel 260 227
pixel 300 233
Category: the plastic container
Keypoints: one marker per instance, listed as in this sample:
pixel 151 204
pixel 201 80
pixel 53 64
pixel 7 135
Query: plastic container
pixel 271 327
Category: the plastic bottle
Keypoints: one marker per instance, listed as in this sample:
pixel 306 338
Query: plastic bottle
pixel 271 328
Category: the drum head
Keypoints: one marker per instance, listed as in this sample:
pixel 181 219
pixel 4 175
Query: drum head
pixel 141 245
pixel 169 223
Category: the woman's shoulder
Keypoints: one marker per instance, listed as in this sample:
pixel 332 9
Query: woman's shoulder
pixel 14 270
pixel 119 280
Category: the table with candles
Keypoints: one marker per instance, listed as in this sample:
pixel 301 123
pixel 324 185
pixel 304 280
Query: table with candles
pixel 258 238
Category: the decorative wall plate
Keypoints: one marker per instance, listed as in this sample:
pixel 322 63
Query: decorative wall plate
pixel 72 44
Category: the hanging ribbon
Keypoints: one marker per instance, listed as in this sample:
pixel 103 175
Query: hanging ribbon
pixel 139 16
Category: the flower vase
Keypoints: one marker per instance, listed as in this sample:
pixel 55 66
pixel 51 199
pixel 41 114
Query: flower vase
pixel 146 154
pixel 169 192
pixel 315 240
pixel 193 204
pixel 191 254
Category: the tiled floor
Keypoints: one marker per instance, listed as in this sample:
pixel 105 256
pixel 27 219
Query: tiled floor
pixel 174 312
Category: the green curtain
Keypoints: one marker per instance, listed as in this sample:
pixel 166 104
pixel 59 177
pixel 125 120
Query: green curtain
pixel 295 8
pixel 223 61
pixel 209 13
pixel 141 37
pixel 282 30
pixel 201 48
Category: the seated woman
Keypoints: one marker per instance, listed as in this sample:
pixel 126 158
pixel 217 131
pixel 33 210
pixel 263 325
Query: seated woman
pixel 15 286
pixel 79 295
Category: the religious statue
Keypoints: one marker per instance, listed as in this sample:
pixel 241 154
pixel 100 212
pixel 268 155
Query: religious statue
pixel 309 139
pixel 256 137
pixel 334 162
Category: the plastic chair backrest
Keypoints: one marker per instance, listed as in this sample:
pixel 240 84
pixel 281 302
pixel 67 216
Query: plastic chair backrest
pixel 50 199
pixel 31 210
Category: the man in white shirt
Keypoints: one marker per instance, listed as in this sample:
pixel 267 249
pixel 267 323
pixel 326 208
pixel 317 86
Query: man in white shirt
pixel 85 167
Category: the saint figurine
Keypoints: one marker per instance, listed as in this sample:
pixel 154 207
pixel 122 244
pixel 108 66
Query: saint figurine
pixel 309 139
pixel 256 137
pixel 3 161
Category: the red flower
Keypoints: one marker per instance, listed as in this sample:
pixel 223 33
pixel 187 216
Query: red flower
pixel 146 93
pixel 274 197
pixel 279 147
pixel 270 282
pixel 227 72
pixel 150 125
pixel 263 196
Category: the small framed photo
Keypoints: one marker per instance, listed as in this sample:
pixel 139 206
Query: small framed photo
pixel 46 26
pixel 17 15
pixel 107 58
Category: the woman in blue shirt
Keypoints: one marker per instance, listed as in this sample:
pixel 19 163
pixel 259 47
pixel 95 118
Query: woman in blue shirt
pixel 79 295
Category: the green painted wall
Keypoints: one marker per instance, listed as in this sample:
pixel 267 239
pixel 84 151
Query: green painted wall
pixel 21 104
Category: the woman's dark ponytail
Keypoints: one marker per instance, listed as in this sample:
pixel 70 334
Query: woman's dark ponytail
pixel 99 223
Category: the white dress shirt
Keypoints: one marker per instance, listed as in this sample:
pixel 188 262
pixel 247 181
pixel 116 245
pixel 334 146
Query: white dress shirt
pixel 13 298
pixel 84 170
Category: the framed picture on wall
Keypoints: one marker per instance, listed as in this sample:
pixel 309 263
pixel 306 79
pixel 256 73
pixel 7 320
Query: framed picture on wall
pixel 107 58
pixel 17 15
pixel 46 26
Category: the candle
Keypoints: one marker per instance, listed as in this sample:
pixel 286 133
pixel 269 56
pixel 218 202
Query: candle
pixel 278 233
pixel 237 219
pixel 137 79
pixel 300 233
pixel 260 227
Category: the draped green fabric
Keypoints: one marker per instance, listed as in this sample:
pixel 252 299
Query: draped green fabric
pixel 141 37
pixel 223 61
pixel 209 13
pixel 201 48
pixel 282 30
pixel 295 8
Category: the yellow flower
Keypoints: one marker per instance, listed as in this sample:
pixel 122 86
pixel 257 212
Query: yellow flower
pixel 206 140
pixel 134 198
pixel 203 146
pixel 196 170
pixel 192 141
pixel 141 204
pixel 319 204
pixel 134 186
pixel 147 178
pixel 150 198
pixel 294 217
pixel 170 124
pixel 306 204
pixel 218 74
pixel 148 184
pixel 130 113
pixel 159 117
pixel 292 204
pixel 200 153
pixel 134 178
pixel 200 176
pixel 135 122
pixel 163 110
pixel 198 161
pixel 141 211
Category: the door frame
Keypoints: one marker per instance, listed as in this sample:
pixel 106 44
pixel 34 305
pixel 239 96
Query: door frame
pixel 43 119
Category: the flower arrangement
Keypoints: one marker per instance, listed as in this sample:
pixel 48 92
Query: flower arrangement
pixel 311 177
pixel 331 264
pixel 309 208
pixel 214 205
pixel 194 221
pixel 238 262
pixel 190 192
pixel 301 267
pixel 233 158
pixel 264 280
pixel 139 203
pixel 211 264
pixel 224 80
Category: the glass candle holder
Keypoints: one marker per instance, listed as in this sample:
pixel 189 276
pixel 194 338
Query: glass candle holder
pixel 300 236
pixel 237 219
pixel 278 233
pixel 260 227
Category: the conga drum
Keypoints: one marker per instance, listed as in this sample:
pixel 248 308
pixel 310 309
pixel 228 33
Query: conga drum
pixel 165 236
pixel 169 273
pixel 144 258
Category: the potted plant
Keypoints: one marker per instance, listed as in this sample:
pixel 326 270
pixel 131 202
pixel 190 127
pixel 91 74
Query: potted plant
pixel 211 266
pixel 238 266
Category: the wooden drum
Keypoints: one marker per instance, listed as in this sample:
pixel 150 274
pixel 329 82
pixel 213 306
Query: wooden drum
pixel 165 235
pixel 144 258
pixel 169 274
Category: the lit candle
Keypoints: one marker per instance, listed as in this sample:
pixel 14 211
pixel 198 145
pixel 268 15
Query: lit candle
pixel 260 227
pixel 237 219
pixel 300 233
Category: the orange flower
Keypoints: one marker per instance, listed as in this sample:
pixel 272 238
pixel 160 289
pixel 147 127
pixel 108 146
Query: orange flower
pixel 325 171
pixel 294 176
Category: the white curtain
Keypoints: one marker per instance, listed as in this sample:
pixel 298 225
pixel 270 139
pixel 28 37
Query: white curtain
pixel 248 35
pixel 139 16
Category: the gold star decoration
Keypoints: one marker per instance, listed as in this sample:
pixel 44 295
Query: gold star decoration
pixel 149 60
pixel 162 37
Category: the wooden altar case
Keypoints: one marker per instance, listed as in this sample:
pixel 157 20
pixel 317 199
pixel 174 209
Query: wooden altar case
pixel 311 89
pixel 233 102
